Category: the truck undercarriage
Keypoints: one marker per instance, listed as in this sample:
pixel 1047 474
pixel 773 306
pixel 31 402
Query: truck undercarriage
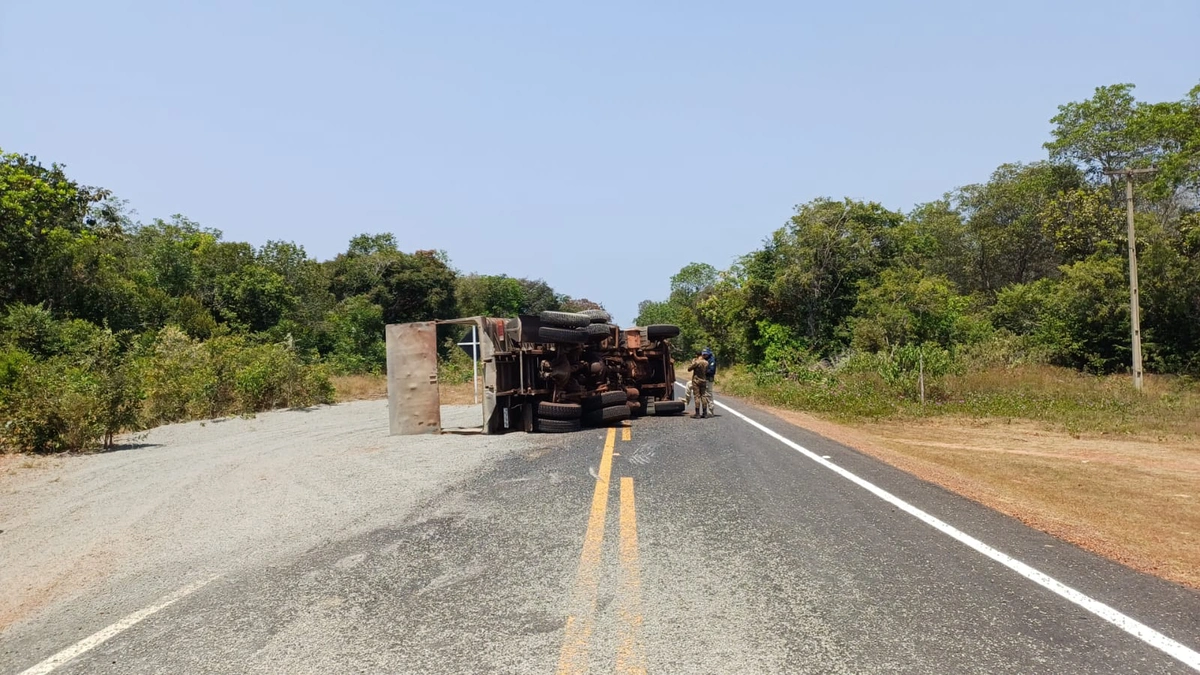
pixel 551 372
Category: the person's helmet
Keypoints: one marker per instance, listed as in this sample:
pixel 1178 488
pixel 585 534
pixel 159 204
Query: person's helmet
pixel 707 352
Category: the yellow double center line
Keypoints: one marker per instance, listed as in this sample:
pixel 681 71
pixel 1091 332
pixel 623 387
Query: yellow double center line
pixel 630 656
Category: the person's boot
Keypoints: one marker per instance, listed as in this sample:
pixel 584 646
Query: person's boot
pixel 696 414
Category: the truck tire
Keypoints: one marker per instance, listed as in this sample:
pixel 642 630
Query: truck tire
pixel 597 315
pixel 602 416
pixel 564 319
pixel 661 331
pixel 599 331
pixel 558 411
pixel 608 398
pixel 668 407
pixel 557 426
pixel 565 335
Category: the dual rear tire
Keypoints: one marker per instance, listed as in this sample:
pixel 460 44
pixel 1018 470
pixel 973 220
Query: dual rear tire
pixel 558 418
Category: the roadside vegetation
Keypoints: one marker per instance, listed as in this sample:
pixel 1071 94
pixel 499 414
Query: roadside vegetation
pixel 109 325
pixel 982 341
pixel 1062 399
pixel 1005 299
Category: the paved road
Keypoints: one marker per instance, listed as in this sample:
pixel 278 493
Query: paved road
pixel 678 545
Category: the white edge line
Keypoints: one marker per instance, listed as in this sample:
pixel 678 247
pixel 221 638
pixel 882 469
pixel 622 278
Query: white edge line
pixel 100 637
pixel 1126 623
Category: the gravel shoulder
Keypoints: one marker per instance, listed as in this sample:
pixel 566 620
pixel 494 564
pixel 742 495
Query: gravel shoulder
pixel 190 500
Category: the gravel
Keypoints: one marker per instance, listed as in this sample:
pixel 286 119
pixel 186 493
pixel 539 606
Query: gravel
pixel 116 530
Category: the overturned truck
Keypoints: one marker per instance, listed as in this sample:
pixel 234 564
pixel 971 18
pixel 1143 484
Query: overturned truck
pixel 552 372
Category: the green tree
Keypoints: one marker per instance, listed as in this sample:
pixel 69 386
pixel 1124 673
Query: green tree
pixel 808 274
pixel 308 284
pixel 169 252
pixel 908 306
pixel 1081 221
pixel 1169 261
pixel 489 295
pixel 416 286
pixel 356 330
pixel 42 213
pixel 1086 320
pixel 1096 134
pixel 1005 241
pixel 690 284
pixel 538 296
pixel 253 298
pixel 724 317
pixel 569 304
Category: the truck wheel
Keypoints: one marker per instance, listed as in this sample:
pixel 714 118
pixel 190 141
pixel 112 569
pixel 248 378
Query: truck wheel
pixel 608 398
pixel 599 331
pixel 668 407
pixel 608 415
pixel 661 331
pixel 597 315
pixel 567 335
pixel 557 426
pixel 558 411
pixel 564 319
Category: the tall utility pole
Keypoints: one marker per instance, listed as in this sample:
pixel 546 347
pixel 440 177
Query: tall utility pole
pixel 1135 313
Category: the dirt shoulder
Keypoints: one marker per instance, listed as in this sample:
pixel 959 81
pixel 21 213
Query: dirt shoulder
pixel 1134 500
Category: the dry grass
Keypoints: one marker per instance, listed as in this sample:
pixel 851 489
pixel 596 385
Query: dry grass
pixel 359 387
pixel 1133 500
pixel 373 387
pixel 12 464
pixel 1167 407
pixel 456 394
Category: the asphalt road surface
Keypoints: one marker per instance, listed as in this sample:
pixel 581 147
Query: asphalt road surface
pixel 727 545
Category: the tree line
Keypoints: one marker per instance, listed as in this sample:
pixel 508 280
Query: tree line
pixel 108 324
pixel 1028 266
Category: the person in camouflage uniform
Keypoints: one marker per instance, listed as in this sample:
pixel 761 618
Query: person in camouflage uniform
pixel 699 370
pixel 711 376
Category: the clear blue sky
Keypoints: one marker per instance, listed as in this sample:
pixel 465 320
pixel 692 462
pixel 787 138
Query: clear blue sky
pixel 577 142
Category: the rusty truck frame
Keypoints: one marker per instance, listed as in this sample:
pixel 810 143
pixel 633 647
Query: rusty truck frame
pixel 539 373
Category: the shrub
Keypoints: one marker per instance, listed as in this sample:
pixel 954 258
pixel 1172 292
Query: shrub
pixel 31 328
pixel 456 367
pixel 76 399
pixel 356 330
pixel 187 379
pixel 52 406
pixel 784 352
pixel 273 376
pixel 1004 350
pixel 180 380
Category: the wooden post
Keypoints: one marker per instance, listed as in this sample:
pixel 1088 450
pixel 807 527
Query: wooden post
pixel 921 371
pixel 1135 312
